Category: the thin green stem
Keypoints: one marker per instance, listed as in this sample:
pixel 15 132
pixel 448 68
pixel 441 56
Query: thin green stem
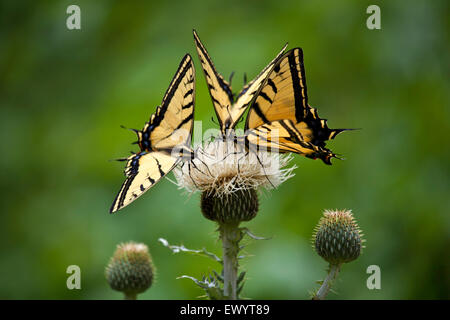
pixel 230 234
pixel 328 282
pixel 130 296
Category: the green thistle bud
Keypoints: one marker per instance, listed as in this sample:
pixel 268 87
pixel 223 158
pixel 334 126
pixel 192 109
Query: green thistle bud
pixel 337 237
pixel 241 205
pixel 130 269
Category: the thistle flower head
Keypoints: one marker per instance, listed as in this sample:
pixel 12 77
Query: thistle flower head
pixel 337 237
pixel 228 176
pixel 222 167
pixel 130 269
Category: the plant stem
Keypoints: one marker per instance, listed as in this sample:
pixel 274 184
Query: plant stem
pixel 130 296
pixel 230 234
pixel 328 282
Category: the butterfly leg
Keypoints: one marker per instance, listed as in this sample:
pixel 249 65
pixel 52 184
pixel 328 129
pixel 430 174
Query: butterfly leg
pixel 197 168
pixel 189 170
pixel 206 166
pixel 262 166
pixel 239 160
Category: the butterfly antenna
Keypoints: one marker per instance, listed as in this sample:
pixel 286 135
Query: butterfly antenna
pixel 231 78
pixel 119 159
pixel 245 78
pixel 213 121
pixel 341 130
pixel 134 130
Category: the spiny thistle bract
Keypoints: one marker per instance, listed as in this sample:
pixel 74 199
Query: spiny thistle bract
pixel 337 237
pixel 130 269
pixel 241 205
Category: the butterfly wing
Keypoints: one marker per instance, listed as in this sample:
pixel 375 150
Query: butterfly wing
pixel 284 93
pixel 284 96
pixel 250 91
pixel 172 123
pixel 219 89
pixel 282 136
pixel 169 128
pixel 143 170
pixel 228 110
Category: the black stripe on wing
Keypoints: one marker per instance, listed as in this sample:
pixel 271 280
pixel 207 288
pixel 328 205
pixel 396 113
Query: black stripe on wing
pixel 298 82
pixel 158 116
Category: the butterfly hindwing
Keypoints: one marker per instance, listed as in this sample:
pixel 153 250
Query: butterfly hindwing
pixel 143 170
pixel 168 131
pixel 282 136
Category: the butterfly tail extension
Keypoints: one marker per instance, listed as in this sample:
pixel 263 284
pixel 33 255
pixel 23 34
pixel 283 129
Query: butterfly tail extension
pixel 335 132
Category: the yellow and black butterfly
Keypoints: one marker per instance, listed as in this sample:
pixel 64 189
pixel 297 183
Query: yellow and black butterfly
pixel 280 117
pixel 228 108
pixel 163 138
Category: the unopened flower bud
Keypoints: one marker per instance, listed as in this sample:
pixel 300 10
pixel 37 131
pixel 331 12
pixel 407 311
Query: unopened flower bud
pixel 130 269
pixel 235 207
pixel 337 237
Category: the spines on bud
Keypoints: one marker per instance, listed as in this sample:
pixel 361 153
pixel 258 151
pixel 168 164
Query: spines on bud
pixel 337 237
pixel 241 205
pixel 130 269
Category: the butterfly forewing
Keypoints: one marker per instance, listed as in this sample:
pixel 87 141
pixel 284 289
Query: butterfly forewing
pixel 249 92
pixel 219 89
pixel 169 128
pixel 283 95
pixel 172 125
pixel 227 110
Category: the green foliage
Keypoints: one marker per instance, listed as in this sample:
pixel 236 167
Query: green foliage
pixel 64 95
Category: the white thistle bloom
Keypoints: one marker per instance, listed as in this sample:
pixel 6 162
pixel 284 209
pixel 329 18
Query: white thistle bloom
pixel 222 167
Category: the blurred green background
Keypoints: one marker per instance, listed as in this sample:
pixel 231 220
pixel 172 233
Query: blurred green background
pixel 64 94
